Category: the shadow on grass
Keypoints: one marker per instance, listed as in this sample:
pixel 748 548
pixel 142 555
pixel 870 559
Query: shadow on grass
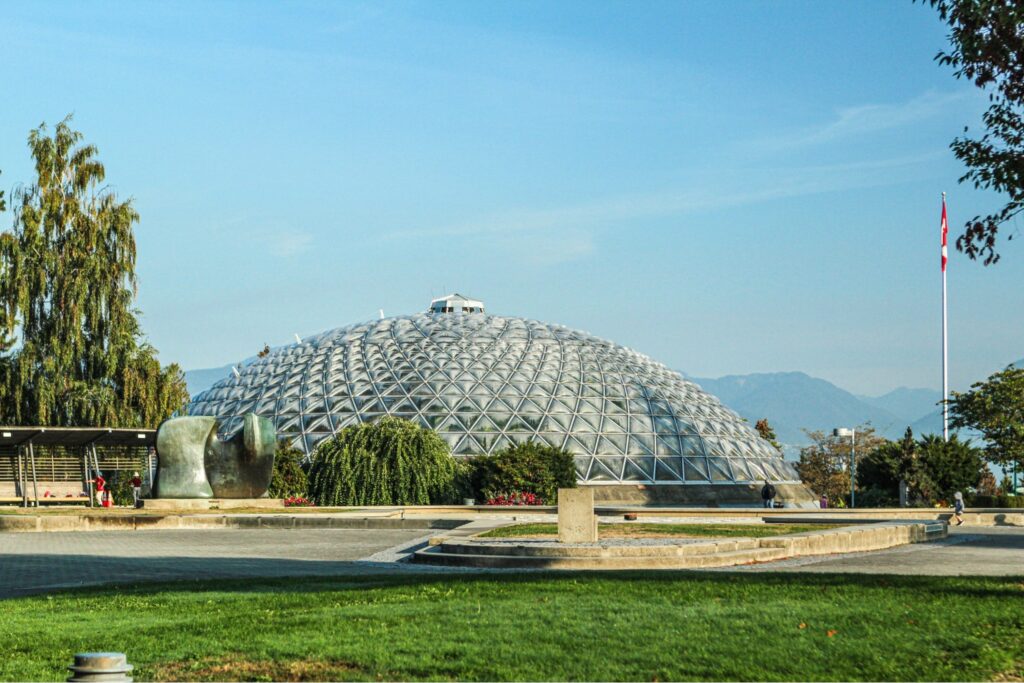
pixel 91 575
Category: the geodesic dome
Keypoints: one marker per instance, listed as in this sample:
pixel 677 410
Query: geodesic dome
pixel 484 382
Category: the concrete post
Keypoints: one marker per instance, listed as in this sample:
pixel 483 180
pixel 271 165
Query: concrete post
pixel 577 522
pixel 101 666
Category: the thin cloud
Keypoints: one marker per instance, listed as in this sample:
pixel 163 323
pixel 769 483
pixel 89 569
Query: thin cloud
pixel 869 118
pixel 290 243
pixel 767 184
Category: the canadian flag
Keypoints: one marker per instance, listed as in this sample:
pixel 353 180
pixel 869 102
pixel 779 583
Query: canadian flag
pixel 945 230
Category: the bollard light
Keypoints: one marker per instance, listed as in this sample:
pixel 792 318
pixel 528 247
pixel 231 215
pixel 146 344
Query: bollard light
pixel 101 666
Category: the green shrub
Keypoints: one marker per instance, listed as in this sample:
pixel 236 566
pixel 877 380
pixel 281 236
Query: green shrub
pixel 876 497
pixel 289 479
pixel 120 485
pixel 1000 501
pixel 390 462
pixel 524 468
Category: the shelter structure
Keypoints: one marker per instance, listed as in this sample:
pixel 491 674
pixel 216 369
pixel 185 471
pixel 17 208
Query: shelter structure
pixel 484 382
pixel 57 464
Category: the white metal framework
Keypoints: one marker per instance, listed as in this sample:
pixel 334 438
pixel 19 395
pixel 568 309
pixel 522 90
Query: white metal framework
pixel 485 381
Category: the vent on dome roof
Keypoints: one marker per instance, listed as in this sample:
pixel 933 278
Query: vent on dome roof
pixel 456 303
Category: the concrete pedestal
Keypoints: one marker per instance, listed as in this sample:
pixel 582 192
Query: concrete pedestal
pixel 577 522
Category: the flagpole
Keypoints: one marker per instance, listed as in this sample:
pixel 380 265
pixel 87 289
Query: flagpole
pixel 945 342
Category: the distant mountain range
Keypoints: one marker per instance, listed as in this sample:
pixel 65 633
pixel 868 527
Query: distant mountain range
pixel 795 401
pixel 792 402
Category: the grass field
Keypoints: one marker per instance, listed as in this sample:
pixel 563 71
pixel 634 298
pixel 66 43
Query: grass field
pixel 654 529
pixel 533 626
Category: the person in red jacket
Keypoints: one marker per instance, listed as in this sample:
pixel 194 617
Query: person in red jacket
pixel 136 489
pixel 101 487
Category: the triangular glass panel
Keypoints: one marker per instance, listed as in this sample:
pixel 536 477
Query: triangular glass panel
pixel 668 469
pixel 639 469
pixel 720 469
pixel 605 469
pixel 696 469
pixel 614 443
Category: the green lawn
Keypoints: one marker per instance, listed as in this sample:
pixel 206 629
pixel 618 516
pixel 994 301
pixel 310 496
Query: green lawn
pixel 533 626
pixel 654 529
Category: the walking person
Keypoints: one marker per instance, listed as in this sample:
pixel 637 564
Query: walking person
pixel 768 494
pixel 136 489
pixel 101 487
pixel 958 507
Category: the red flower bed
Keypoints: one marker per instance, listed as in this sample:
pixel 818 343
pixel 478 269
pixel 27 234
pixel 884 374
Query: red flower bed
pixel 298 502
pixel 516 498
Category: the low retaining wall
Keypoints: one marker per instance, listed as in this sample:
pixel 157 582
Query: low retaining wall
pixel 692 555
pixel 101 522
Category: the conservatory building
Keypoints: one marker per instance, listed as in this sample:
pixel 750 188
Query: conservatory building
pixel 637 429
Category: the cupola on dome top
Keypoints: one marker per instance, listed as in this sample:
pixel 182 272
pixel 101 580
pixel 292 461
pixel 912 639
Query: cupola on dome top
pixel 456 303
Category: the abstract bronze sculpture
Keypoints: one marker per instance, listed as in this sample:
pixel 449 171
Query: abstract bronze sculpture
pixel 193 461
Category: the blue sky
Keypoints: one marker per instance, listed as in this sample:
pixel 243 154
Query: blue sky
pixel 728 187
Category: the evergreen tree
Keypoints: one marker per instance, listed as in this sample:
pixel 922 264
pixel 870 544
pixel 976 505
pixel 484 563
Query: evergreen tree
pixel 67 288
pixel 952 466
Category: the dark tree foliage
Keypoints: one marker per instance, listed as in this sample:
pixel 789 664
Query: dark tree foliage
pixel 390 462
pixel 952 466
pixel 67 289
pixel 289 479
pixel 933 469
pixel 525 468
pixel 882 469
pixel 995 408
pixel 767 433
pixel 988 49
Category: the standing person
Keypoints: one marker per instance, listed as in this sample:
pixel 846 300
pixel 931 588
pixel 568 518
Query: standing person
pixel 823 502
pixel 958 507
pixel 768 494
pixel 136 489
pixel 101 487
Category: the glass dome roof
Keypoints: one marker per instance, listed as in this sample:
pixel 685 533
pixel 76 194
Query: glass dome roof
pixel 485 381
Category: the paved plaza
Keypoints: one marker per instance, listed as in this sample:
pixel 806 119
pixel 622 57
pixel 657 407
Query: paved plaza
pixel 40 562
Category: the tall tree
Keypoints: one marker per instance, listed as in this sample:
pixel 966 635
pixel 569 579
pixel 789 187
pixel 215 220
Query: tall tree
pixel 988 49
pixel 883 468
pixel 995 408
pixel 952 465
pixel 67 288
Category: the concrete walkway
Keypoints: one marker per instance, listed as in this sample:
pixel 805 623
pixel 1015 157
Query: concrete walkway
pixel 38 563
pixel 975 551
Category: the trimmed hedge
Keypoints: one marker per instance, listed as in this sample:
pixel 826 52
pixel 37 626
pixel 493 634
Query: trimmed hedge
pixel 389 462
pixel 1002 501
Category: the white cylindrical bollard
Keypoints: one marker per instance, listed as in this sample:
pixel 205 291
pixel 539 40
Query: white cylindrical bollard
pixel 101 666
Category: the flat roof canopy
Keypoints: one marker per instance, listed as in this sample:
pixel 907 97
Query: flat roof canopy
pixel 72 437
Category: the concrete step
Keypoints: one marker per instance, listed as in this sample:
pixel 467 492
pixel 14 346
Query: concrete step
pixel 437 556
